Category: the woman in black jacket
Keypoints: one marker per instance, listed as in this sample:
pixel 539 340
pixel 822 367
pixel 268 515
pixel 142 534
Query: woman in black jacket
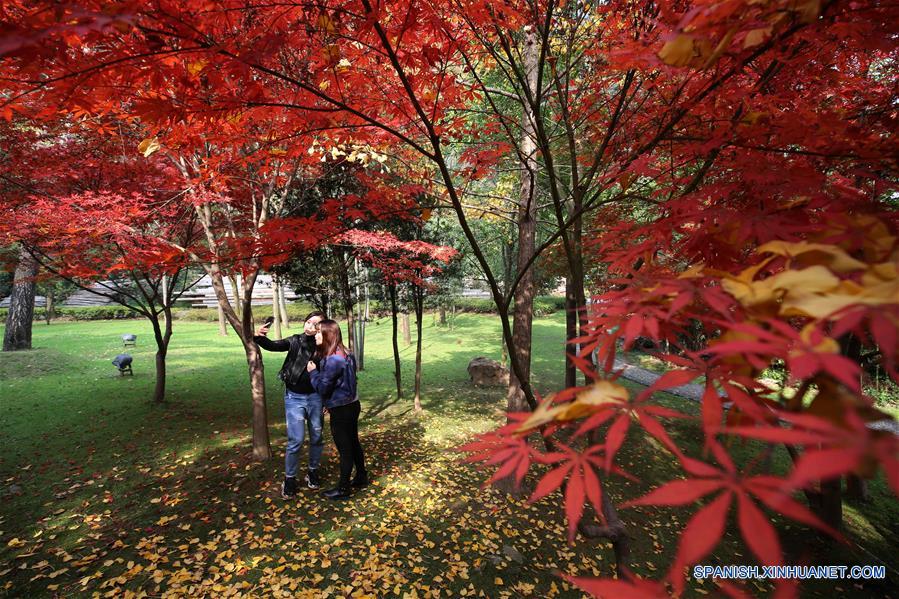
pixel 335 381
pixel 302 405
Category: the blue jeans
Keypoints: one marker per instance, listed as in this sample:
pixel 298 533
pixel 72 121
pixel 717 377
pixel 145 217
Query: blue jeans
pixel 300 409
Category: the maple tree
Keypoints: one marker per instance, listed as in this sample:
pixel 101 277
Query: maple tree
pixel 412 262
pixel 771 226
pixel 743 133
pixel 92 227
pixel 114 246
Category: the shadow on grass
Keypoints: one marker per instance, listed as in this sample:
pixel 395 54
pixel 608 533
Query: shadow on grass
pixel 40 361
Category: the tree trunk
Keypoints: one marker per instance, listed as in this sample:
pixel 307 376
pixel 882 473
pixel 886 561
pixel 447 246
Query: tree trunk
pixel 48 306
pixel 578 276
pixel 21 304
pixel 857 488
pixel 571 326
pixel 360 318
pixel 346 294
pixel 282 305
pixel 235 291
pixel 243 326
pixel 397 373
pixel 832 503
pixel 614 530
pixel 404 325
pixel 162 334
pixel 276 309
pixel 419 300
pixel 523 311
pixel 442 320
pixel 223 329
pixel 261 447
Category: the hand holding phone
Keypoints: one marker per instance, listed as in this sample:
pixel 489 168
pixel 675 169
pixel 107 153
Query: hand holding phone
pixel 263 330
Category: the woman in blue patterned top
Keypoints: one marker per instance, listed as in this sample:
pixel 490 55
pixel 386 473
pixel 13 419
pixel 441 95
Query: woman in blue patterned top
pixel 335 382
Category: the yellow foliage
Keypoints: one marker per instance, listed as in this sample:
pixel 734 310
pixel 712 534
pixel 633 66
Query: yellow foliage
pixel 598 396
pixel 678 52
pixel 804 253
pixel 756 36
pixel 194 68
pixel 789 285
pixel 810 285
pixel 148 146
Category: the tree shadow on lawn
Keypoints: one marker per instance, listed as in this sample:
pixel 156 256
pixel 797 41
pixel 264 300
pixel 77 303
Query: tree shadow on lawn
pixel 214 521
pixel 41 361
pixel 454 389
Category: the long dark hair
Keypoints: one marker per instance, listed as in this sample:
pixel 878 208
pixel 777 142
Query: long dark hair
pixel 313 314
pixel 332 340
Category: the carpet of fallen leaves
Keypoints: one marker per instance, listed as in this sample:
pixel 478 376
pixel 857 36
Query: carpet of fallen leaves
pixel 212 523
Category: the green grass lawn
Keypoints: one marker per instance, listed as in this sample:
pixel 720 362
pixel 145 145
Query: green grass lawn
pixel 106 493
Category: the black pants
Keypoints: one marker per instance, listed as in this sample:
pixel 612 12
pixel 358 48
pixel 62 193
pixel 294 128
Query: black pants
pixel 345 431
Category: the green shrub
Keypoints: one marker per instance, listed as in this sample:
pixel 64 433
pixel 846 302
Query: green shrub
pixel 475 305
pixel 86 313
pixel 543 305
pixel 296 311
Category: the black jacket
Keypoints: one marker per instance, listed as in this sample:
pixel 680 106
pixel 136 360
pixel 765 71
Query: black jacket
pixel 299 350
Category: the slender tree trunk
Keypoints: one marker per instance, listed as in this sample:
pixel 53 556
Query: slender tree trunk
pixel 282 304
pixel 223 329
pixel 832 503
pixel 162 334
pixel 48 306
pixel 261 447
pixel 571 327
pixel 243 326
pixel 442 320
pixel 21 304
pixel 363 323
pixel 857 488
pixel 523 311
pixel 360 319
pixel 578 276
pixel 404 327
pixel 397 373
pixel 347 299
pixel 276 308
pixel 418 299
pixel 235 292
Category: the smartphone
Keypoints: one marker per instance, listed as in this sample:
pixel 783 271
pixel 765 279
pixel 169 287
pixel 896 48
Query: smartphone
pixel 268 321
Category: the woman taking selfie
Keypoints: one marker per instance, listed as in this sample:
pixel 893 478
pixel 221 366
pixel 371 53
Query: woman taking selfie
pixel 335 382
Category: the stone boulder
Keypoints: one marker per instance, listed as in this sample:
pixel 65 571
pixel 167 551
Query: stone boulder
pixel 484 371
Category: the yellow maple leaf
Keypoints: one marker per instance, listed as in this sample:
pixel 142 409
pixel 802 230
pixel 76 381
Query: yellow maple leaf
pixel 789 284
pixel 148 146
pixel 756 36
pixel 196 66
pixel 594 398
pixel 807 254
pixel 678 52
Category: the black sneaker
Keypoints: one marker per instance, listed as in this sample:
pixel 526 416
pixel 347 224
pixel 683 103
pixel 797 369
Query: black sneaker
pixel 337 493
pixel 312 480
pixel 289 487
pixel 359 482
